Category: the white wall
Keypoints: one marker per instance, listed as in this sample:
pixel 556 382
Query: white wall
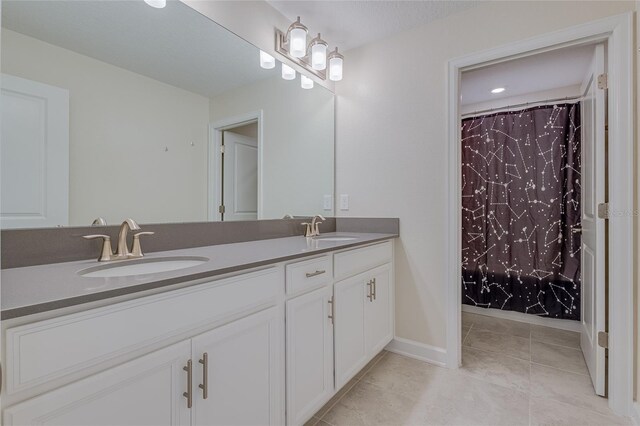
pixel 120 124
pixel 298 142
pixel 391 152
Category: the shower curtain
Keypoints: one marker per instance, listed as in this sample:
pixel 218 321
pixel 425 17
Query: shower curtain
pixel 520 204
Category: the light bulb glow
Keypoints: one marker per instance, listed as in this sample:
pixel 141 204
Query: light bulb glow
pixel 267 61
pixel 319 56
pixel 298 42
pixel 335 69
pixel 498 90
pixel 288 73
pixel 158 4
pixel 306 82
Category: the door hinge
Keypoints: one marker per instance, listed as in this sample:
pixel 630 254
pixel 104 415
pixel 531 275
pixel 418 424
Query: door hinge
pixel 222 149
pixel 603 81
pixel 603 211
pixel 221 209
pixel 603 339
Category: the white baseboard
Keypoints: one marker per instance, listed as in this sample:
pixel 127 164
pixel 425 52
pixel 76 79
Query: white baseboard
pixel 421 351
pixel 561 324
pixel 635 413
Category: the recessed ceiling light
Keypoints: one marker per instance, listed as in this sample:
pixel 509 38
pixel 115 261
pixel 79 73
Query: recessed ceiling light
pixel 498 90
pixel 158 4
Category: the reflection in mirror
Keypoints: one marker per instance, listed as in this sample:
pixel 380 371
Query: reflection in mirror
pixel 117 109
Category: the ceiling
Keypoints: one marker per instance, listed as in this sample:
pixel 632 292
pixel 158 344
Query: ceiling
pixel 175 45
pixel 537 73
pixel 348 24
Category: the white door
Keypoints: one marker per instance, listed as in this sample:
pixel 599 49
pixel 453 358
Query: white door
pixel 34 154
pixel 242 374
pixel 349 340
pixel 309 354
pixel 593 229
pixel 377 313
pixel 240 177
pixel 145 391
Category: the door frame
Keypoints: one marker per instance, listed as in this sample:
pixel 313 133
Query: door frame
pixel 214 177
pixel 617 33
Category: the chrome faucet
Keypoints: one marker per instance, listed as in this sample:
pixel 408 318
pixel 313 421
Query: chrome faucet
pixel 313 228
pixel 122 251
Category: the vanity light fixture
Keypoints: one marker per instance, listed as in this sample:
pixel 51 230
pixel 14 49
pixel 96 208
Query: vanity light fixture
pixel 158 4
pixel 318 49
pixel 306 82
pixel 267 61
pixel 498 90
pixel 288 73
pixel 335 65
pixel 313 57
pixel 297 39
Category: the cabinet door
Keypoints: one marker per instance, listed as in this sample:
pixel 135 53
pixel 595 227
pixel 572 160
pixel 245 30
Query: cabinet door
pixel 244 372
pixel 350 353
pixel 309 354
pixel 378 312
pixel 145 391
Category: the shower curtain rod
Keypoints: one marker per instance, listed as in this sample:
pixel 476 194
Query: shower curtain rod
pixel 525 104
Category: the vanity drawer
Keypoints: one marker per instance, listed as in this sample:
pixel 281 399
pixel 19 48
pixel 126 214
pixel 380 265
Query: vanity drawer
pixel 47 350
pixel 308 274
pixel 352 262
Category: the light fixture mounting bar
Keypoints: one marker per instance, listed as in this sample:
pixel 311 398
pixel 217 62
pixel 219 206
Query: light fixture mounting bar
pixel 282 47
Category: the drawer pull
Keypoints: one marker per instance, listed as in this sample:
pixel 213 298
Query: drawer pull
pixel 370 290
pixel 188 393
pixel 205 375
pixel 313 274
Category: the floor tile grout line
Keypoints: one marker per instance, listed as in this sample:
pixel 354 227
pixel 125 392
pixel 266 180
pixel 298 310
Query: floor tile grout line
pixel 555 344
pixel 358 380
pixel 560 369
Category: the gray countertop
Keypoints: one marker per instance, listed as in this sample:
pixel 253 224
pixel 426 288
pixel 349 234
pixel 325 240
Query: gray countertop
pixel 41 288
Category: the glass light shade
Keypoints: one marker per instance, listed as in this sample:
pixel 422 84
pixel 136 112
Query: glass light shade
pixel 288 73
pixel 298 42
pixel 319 56
pixel 335 69
pixel 158 4
pixel 267 61
pixel 306 82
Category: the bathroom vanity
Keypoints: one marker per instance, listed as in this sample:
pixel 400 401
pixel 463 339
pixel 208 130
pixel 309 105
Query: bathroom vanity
pixel 266 333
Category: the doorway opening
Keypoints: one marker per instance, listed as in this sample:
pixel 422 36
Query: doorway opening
pixel 602 231
pixel 235 169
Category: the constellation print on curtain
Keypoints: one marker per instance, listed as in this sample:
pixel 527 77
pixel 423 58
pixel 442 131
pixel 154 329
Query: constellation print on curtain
pixel 520 204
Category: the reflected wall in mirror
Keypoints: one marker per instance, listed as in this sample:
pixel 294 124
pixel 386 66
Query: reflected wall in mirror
pixel 117 109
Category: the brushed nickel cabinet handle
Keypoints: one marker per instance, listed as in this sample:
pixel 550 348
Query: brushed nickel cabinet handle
pixel 370 290
pixel 205 375
pixel 332 311
pixel 188 393
pixel 313 274
pixel 375 289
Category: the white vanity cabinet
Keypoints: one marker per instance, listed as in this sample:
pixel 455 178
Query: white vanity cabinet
pixel 264 347
pixel 145 391
pixel 309 354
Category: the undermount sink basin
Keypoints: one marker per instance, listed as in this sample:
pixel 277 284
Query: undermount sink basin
pixel 332 238
pixel 142 266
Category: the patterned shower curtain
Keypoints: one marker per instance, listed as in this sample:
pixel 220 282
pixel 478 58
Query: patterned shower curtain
pixel 520 203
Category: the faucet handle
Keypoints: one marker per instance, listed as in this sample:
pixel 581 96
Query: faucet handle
pixel 316 230
pixel 106 253
pixel 136 250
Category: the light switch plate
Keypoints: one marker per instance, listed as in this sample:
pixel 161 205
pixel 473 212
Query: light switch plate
pixel 344 201
pixel 328 202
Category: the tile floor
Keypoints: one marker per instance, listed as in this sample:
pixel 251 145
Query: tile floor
pixel 513 374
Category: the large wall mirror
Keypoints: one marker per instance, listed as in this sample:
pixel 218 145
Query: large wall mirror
pixel 116 109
